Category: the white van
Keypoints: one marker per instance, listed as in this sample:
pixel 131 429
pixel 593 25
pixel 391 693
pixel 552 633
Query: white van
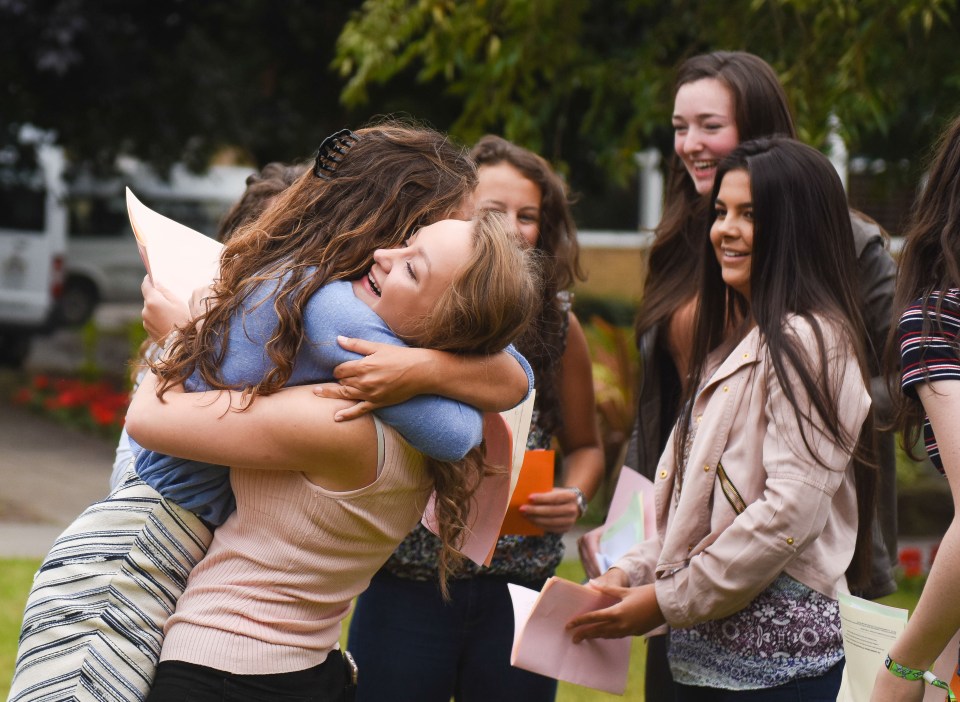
pixel 32 246
pixel 103 264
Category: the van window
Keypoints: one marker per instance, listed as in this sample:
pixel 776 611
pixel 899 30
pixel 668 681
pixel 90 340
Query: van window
pixel 22 201
pixel 97 216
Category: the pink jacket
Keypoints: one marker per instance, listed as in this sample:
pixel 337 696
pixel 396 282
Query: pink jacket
pixel 706 560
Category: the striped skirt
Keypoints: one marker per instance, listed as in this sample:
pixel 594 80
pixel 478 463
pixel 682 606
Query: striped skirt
pixel 93 625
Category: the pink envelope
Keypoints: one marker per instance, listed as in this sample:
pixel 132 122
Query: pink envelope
pixel 492 497
pixel 177 257
pixel 542 644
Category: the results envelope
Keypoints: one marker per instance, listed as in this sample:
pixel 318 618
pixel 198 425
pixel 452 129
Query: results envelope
pixel 542 644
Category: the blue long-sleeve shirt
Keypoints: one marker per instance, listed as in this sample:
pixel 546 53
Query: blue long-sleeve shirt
pixel 437 426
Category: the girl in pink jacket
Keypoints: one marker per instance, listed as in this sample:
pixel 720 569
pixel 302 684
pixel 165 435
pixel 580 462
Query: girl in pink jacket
pixel 763 493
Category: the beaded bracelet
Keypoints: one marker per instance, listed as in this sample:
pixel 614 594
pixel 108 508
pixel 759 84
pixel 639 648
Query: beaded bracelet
pixel 902 671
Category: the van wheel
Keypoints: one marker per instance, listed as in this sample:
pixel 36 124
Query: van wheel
pixel 77 303
pixel 14 349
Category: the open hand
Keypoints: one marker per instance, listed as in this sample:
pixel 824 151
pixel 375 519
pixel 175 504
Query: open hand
pixel 386 375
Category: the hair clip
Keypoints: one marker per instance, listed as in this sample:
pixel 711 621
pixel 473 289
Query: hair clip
pixel 332 151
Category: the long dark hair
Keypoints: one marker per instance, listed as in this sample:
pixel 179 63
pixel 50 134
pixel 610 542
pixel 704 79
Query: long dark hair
pixel 803 265
pixel 929 263
pixel 543 343
pixel 760 109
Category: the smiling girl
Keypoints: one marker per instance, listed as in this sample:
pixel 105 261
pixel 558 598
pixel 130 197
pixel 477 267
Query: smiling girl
pixel 720 99
pixel 764 491
pixel 415 645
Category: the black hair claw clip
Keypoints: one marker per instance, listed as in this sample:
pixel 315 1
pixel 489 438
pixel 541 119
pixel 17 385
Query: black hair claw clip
pixel 331 152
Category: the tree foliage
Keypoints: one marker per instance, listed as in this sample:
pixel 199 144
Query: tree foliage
pixel 568 77
pixel 585 82
pixel 170 80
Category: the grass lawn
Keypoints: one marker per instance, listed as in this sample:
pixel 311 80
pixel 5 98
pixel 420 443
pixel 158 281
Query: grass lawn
pixel 15 578
pixel 17 574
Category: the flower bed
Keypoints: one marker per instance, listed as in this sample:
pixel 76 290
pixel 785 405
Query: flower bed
pixel 98 406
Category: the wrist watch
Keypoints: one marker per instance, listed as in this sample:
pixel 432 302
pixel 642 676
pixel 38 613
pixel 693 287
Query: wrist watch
pixel 581 500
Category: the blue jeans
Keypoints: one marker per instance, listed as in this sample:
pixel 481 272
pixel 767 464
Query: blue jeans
pixel 411 646
pixel 823 688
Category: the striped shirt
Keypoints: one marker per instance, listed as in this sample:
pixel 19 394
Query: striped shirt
pixel 930 355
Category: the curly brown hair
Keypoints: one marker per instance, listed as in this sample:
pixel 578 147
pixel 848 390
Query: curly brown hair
pixel 544 341
pixel 395 178
pixel 490 302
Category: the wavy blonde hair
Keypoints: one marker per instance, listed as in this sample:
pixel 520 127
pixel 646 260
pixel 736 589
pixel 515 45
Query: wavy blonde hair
pixel 493 298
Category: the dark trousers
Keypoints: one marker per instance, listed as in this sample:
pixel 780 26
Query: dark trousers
pixel 823 688
pixel 658 683
pixel 411 646
pixel 177 681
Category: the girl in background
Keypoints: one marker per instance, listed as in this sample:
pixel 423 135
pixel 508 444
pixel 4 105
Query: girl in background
pixel 924 353
pixel 409 642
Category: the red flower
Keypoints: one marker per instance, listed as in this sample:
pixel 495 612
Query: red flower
pixel 80 402
pixel 912 562
pixel 103 415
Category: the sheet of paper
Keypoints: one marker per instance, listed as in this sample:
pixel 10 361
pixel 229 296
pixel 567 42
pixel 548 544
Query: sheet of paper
pixel 542 644
pixel 518 422
pixel 623 534
pixel 536 475
pixel 629 483
pixel 869 629
pixel 177 257
pixel 505 437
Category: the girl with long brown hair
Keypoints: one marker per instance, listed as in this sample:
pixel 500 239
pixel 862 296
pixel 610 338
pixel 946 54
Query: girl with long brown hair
pixel 923 354
pixel 765 491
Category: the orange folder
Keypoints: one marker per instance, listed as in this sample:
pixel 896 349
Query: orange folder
pixel 536 475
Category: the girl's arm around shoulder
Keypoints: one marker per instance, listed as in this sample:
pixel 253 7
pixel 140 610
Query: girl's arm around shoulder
pixel 289 430
pixel 387 375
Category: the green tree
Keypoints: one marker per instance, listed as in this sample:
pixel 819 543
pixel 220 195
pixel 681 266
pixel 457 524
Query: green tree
pixel 593 79
pixel 168 80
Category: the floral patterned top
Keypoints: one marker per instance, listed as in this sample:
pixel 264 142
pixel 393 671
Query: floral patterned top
pixel 789 631
pixel 522 558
